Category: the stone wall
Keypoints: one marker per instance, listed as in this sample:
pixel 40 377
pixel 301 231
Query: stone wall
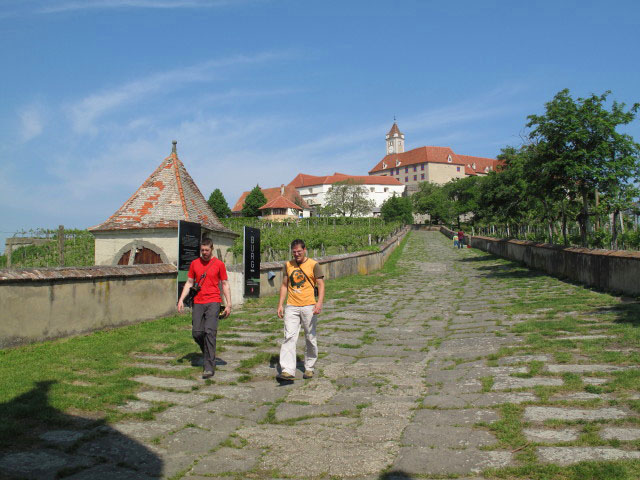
pixel 43 304
pixel 611 270
pixel 40 304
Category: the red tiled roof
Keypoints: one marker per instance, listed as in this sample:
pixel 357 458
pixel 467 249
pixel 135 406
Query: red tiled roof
pixel 394 129
pixel 478 165
pixel 416 156
pixel 303 180
pixel 280 202
pixel 167 196
pixel 290 193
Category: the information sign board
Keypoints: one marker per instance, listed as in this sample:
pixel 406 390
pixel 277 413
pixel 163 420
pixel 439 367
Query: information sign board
pixel 251 256
pixel 188 249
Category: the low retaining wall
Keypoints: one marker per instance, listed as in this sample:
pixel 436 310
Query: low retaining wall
pixel 611 270
pixel 40 304
pixel 43 304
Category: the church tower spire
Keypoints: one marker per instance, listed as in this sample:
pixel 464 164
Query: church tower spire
pixel 395 139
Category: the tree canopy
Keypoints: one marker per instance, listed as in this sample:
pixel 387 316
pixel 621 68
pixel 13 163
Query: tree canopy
pixel 580 151
pixel 348 199
pixel 397 209
pixel 253 202
pixel 573 167
pixel 219 204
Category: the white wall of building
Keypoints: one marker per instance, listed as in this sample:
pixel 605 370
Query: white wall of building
pixel 315 195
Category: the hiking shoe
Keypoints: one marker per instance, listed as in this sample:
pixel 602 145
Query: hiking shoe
pixel 286 376
pixel 307 374
pixel 207 374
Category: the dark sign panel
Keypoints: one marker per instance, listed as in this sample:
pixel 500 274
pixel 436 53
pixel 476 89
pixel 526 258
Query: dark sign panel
pixel 188 249
pixel 251 262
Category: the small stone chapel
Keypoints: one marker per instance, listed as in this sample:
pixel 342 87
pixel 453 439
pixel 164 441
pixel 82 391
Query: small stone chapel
pixel 145 228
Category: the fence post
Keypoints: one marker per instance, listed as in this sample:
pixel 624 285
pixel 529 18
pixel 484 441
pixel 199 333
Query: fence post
pixel 8 250
pixel 61 245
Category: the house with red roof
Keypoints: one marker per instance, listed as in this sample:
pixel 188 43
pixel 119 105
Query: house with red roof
pixel 313 189
pixel 280 208
pixel 284 197
pixel 145 228
pixel 426 164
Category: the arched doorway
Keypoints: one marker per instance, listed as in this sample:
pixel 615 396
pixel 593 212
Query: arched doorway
pixel 143 256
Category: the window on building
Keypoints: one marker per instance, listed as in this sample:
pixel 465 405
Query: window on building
pixel 415 177
pixel 422 176
pixel 406 179
pixel 386 189
pixel 414 168
pixel 406 169
pixel 372 189
pixel 458 169
pixel 422 167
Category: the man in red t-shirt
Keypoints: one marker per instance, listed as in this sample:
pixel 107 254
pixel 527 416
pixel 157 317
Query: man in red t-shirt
pixel 208 272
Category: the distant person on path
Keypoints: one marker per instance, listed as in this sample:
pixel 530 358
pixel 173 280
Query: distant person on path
pixel 460 239
pixel 208 272
pixel 455 240
pixel 300 276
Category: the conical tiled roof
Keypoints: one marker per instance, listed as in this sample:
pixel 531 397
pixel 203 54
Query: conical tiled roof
pixel 167 196
pixel 394 129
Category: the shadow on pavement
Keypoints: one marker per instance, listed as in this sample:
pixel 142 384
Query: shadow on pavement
pixel 40 441
pixel 395 475
pixel 626 312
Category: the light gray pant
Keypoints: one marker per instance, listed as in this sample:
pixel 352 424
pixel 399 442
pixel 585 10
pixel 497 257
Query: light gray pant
pixel 293 318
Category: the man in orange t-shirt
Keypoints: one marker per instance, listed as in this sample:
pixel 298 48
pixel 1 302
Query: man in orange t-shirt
pixel 299 278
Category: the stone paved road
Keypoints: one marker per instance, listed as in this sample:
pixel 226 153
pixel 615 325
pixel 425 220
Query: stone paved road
pixel 413 377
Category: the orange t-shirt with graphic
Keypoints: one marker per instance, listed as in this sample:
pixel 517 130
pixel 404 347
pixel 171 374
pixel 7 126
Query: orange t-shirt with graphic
pixel 300 289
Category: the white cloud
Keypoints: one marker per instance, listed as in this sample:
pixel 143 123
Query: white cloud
pixel 87 111
pixel 66 6
pixel 31 122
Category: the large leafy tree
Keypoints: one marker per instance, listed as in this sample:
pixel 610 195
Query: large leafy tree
pixel 432 199
pixel 464 193
pixel 255 200
pixel 348 199
pixel 219 204
pixel 579 149
pixel 397 209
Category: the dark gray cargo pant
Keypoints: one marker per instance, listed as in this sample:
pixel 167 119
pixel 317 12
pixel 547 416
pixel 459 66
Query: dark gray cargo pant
pixel 204 322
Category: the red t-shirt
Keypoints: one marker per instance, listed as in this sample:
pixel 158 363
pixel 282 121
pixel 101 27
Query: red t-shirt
pixel 210 289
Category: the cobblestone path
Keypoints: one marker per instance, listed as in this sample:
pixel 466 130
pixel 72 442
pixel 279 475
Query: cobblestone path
pixel 461 365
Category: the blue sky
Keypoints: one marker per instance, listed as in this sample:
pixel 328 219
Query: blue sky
pixel 257 91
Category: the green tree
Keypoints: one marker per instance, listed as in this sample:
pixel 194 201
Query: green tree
pixel 464 194
pixel 397 209
pixel 432 199
pixel 219 204
pixel 255 200
pixel 579 149
pixel 348 199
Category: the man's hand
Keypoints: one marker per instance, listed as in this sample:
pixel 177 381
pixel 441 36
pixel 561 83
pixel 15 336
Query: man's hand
pixel 280 311
pixel 318 308
pixel 180 306
pixel 227 311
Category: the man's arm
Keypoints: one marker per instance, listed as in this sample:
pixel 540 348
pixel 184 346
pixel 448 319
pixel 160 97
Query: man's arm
pixel 187 285
pixel 283 292
pixel 318 308
pixel 226 291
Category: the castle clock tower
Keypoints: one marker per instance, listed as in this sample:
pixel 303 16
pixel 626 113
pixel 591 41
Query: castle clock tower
pixel 395 140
